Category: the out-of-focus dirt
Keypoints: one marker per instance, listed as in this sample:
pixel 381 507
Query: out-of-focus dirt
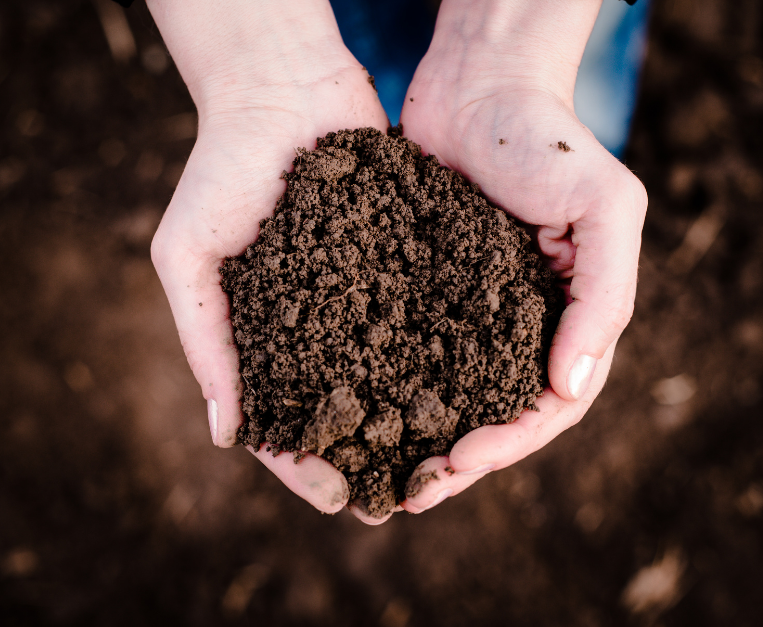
pixel 650 511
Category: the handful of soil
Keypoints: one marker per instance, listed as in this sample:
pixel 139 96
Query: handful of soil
pixel 385 310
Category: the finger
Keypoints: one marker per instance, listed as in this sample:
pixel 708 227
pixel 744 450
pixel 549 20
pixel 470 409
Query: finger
pixel 369 520
pixel 201 313
pixel 434 480
pixel 312 478
pixel 498 446
pixel 557 250
pixel 603 289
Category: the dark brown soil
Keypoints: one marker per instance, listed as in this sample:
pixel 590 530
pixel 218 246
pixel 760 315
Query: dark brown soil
pixel 385 311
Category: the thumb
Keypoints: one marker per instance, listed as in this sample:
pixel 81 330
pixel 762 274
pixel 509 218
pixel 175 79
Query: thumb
pixel 201 313
pixel 607 239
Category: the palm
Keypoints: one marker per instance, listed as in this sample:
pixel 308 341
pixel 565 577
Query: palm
pixel 508 143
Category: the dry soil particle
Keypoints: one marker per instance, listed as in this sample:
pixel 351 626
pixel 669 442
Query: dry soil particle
pixel 385 310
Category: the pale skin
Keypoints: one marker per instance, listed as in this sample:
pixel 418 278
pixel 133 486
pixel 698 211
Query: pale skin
pixel 492 98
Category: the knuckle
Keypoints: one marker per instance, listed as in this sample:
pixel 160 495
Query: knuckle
pixel 159 250
pixel 642 195
pixel 610 321
pixel 635 192
pixel 640 198
pixel 622 314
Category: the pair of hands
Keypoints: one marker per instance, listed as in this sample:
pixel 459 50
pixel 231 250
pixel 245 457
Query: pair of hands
pixel 486 107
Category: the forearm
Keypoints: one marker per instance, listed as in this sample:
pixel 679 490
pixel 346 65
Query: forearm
pixel 231 51
pixel 537 41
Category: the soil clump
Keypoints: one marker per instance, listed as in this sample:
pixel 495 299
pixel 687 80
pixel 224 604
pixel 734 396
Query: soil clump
pixel 385 310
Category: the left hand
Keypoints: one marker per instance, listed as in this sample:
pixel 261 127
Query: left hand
pixel 497 116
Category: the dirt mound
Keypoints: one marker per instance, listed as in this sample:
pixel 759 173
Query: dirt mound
pixel 385 310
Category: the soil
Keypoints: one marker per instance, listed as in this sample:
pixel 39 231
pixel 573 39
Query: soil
pixel 386 310
pixel 371 80
pixel 115 508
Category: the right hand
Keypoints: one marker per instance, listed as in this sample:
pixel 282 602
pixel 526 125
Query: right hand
pixel 288 88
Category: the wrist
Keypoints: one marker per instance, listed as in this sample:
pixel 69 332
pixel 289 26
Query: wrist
pixel 536 43
pixel 241 54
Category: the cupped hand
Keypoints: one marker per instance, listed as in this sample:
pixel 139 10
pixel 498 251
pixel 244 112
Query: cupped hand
pixel 230 183
pixel 518 137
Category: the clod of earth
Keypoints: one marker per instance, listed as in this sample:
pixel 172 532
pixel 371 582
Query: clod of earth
pixel 386 310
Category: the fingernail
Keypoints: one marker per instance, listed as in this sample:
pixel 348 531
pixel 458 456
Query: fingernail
pixel 580 375
pixel 439 499
pixel 477 470
pixel 370 520
pixel 212 415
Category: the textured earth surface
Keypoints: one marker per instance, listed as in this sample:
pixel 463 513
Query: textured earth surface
pixel 385 310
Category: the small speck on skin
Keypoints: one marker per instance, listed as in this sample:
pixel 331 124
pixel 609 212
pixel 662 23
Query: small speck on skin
pixel 502 141
pixel 411 99
pixel 563 146
pixel 201 304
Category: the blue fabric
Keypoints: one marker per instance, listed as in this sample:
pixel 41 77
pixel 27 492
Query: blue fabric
pixel 607 85
pixel 389 38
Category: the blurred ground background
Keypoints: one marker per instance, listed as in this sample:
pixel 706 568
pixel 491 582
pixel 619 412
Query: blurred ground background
pixel 115 509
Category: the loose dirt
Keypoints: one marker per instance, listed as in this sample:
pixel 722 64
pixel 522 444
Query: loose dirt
pixel 385 310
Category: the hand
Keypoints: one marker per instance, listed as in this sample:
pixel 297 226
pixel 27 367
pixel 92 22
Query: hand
pixel 267 78
pixel 492 99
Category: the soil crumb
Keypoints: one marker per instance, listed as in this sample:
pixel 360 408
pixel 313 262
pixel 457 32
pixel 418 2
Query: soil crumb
pixel 418 480
pixel 385 310
pixel 371 80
